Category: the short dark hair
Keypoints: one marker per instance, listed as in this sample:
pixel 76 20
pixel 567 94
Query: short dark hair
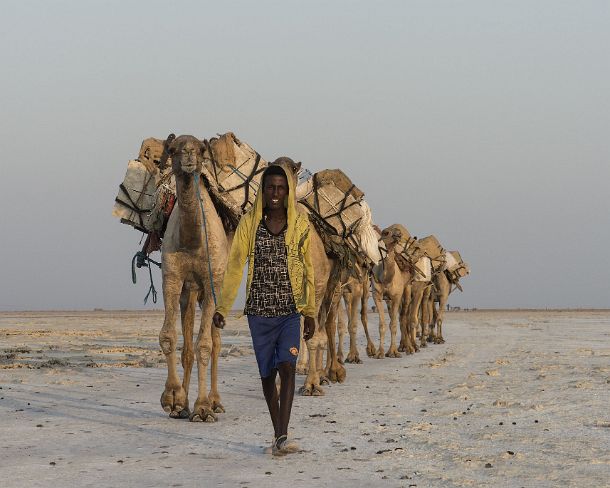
pixel 274 169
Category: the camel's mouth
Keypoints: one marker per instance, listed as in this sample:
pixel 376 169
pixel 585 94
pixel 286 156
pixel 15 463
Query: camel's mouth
pixel 189 168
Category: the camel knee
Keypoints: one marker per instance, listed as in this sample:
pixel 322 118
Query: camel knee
pixel 204 348
pixel 168 341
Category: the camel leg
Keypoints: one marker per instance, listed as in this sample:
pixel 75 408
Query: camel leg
pixel 303 358
pixel 404 320
pixel 439 337
pixel 330 300
pixel 379 304
pixel 341 330
pixel 203 410
pixel 393 350
pixel 427 313
pixel 311 386
pixel 355 298
pixel 433 322
pixel 414 312
pixel 439 320
pixel 335 371
pixel 425 316
pixel 188 303
pixel 174 399
pixel 364 318
pixel 442 306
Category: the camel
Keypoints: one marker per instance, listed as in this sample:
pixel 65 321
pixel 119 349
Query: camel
pixel 417 313
pixel 444 283
pixel 393 284
pixel 404 283
pixel 194 257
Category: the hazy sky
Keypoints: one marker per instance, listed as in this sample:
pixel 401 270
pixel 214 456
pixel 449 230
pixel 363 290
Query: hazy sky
pixel 484 123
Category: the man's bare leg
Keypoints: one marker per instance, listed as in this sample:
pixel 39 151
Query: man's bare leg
pixel 273 400
pixel 287 372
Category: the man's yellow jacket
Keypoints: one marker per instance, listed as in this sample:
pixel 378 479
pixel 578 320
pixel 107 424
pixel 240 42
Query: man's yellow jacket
pixel 300 267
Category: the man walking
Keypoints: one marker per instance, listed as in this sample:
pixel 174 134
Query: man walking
pixel 274 238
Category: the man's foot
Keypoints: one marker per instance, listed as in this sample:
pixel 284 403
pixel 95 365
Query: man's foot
pixel 282 446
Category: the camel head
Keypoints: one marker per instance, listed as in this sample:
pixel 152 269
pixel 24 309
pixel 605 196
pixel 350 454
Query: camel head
pixel 396 238
pixel 464 270
pixel 187 154
pixel 294 167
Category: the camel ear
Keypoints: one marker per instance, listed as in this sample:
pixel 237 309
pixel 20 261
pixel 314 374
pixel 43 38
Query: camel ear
pixel 167 146
pixel 297 167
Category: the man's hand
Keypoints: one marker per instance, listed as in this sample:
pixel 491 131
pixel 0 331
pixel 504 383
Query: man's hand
pixel 309 327
pixel 219 321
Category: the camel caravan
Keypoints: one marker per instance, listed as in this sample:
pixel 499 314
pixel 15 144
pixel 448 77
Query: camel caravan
pixel 188 195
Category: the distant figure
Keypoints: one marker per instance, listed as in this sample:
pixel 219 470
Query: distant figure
pixel 274 238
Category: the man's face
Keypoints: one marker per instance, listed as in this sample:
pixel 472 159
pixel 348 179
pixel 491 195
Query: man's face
pixel 275 191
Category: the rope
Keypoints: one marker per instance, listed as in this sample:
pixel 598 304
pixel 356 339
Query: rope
pixel 205 230
pixel 238 173
pixel 140 260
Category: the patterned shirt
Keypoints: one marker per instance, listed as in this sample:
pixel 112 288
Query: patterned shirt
pixel 270 291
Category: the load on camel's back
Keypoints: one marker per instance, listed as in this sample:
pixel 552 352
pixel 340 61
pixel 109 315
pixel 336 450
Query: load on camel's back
pixel 231 172
pixel 341 214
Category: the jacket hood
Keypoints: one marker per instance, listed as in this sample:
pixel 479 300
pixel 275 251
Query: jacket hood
pixel 291 207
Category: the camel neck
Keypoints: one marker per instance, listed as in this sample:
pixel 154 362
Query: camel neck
pixel 190 213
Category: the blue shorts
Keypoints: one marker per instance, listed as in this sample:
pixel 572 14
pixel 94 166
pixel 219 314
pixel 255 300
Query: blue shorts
pixel 276 340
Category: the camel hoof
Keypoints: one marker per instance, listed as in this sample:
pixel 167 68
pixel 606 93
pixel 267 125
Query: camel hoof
pixel 311 391
pixel 340 358
pixel 402 348
pixel 337 375
pixel 371 351
pixel 355 359
pixel 423 344
pixel 305 391
pixel 204 414
pixel 218 408
pixel 180 415
pixel 317 391
pixel 174 401
pixel 393 353
pixel 380 354
pixel 324 380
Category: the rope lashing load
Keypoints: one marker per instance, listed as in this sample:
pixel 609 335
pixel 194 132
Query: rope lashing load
pixel 205 231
